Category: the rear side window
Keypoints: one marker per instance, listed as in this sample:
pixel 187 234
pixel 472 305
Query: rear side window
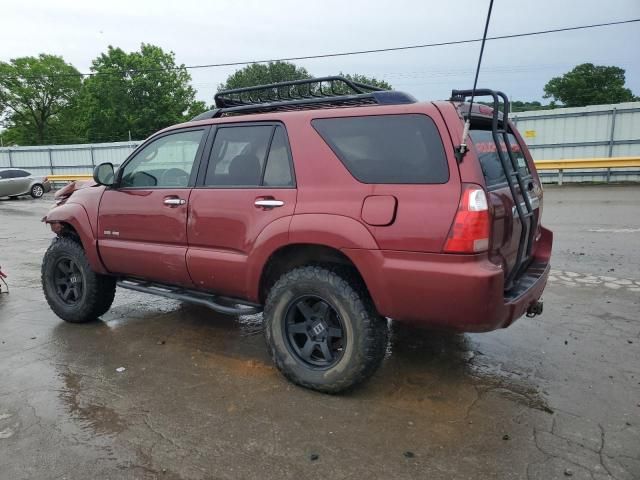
pixel 277 173
pixel 486 150
pixel 387 148
pixel 250 156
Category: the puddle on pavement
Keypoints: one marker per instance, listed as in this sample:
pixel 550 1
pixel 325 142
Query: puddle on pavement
pixel 440 366
pixel 423 369
pixel 97 418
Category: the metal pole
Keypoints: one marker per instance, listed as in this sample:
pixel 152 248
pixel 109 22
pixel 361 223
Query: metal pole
pixel 613 129
pixel 10 159
pixel 560 177
pixel 93 161
pixel 51 161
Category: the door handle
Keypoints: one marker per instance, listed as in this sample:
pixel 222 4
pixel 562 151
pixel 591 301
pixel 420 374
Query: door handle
pixel 174 201
pixel 268 203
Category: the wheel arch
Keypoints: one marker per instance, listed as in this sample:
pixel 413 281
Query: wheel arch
pixel 295 255
pixel 308 236
pixel 72 220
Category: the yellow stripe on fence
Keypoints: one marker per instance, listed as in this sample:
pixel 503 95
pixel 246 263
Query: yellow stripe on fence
pixel 586 163
pixel 569 164
pixel 69 177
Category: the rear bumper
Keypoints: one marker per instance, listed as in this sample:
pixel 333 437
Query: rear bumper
pixel 457 292
pixel 46 186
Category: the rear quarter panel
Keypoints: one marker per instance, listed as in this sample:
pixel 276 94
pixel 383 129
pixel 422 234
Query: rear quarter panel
pixel 424 212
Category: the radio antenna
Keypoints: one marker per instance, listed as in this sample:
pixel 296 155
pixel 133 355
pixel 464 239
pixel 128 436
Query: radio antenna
pixel 462 149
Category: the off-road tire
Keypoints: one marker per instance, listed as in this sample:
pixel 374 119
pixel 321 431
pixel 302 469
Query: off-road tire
pixel 37 191
pixel 98 290
pixel 366 330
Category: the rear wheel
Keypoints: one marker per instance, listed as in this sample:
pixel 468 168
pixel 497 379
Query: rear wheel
pixel 322 329
pixel 74 292
pixel 37 191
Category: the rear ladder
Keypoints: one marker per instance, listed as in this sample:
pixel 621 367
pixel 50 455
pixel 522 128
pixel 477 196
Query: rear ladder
pixel 513 175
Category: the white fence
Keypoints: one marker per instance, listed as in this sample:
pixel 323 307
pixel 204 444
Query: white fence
pixel 61 159
pixel 582 132
pixel 563 133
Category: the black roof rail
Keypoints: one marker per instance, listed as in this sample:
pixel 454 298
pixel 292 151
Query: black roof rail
pixel 310 93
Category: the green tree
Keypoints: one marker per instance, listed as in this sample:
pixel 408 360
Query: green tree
pixel 589 84
pixel 135 93
pixel 36 95
pixel 356 77
pixel 263 74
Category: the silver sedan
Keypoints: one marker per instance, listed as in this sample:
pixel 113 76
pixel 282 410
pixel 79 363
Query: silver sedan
pixel 15 182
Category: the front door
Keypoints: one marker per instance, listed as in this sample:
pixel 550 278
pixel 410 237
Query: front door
pixel 248 186
pixel 142 225
pixel 9 183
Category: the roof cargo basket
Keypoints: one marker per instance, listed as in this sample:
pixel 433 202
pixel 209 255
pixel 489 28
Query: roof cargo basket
pixel 307 94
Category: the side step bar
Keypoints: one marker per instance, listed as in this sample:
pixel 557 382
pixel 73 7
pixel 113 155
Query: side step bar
pixel 225 305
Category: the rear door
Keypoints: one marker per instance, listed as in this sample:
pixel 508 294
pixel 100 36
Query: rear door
pixel 142 224
pixel 507 226
pixel 247 185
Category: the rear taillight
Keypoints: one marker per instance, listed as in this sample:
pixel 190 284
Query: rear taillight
pixel 470 230
pixel 46 179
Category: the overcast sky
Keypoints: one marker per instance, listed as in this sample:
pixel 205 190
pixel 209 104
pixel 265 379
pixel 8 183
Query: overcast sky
pixel 202 32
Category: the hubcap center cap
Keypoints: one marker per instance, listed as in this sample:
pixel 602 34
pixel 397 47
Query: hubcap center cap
pixel 318 329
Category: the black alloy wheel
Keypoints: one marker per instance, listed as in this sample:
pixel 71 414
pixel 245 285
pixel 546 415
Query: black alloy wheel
pixel 69 281
pixel 314 331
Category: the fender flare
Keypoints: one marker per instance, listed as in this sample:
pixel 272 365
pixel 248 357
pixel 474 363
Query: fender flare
pixel 75 215
pixel 310 229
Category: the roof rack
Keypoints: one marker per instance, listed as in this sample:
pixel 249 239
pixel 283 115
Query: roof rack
pixel 311 93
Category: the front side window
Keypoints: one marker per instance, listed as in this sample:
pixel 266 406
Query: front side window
pixel 249 156
pixel 166 162
pixel 381 149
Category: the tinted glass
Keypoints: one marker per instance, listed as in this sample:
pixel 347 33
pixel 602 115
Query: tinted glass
pixel 486 150
pixel 238 155
pixel 278 170
pixel 4 174
pixel 387 148
pixel 20 173
pixel 165 162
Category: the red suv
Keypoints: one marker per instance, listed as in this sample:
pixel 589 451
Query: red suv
pixel 329 204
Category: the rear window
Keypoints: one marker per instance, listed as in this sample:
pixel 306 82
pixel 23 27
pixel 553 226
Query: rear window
pixel 387 148
pixel 486 150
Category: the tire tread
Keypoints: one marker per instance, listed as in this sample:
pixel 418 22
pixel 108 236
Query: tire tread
pixel 353 290
pixel 100 289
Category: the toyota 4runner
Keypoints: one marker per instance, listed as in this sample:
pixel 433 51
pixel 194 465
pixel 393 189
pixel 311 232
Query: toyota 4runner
pixel 327 204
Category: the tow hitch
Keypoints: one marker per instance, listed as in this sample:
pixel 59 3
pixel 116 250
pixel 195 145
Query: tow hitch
pixel 535 309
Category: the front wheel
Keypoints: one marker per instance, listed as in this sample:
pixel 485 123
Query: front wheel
pixel 37 191
pixel 322 329
pixel 73 291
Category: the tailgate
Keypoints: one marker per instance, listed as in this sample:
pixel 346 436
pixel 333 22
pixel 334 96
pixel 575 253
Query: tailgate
pixel 516 204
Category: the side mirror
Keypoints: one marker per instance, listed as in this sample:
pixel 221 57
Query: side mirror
pixel 104 174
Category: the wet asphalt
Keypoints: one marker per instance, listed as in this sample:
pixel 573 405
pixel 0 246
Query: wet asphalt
pixel 557 396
